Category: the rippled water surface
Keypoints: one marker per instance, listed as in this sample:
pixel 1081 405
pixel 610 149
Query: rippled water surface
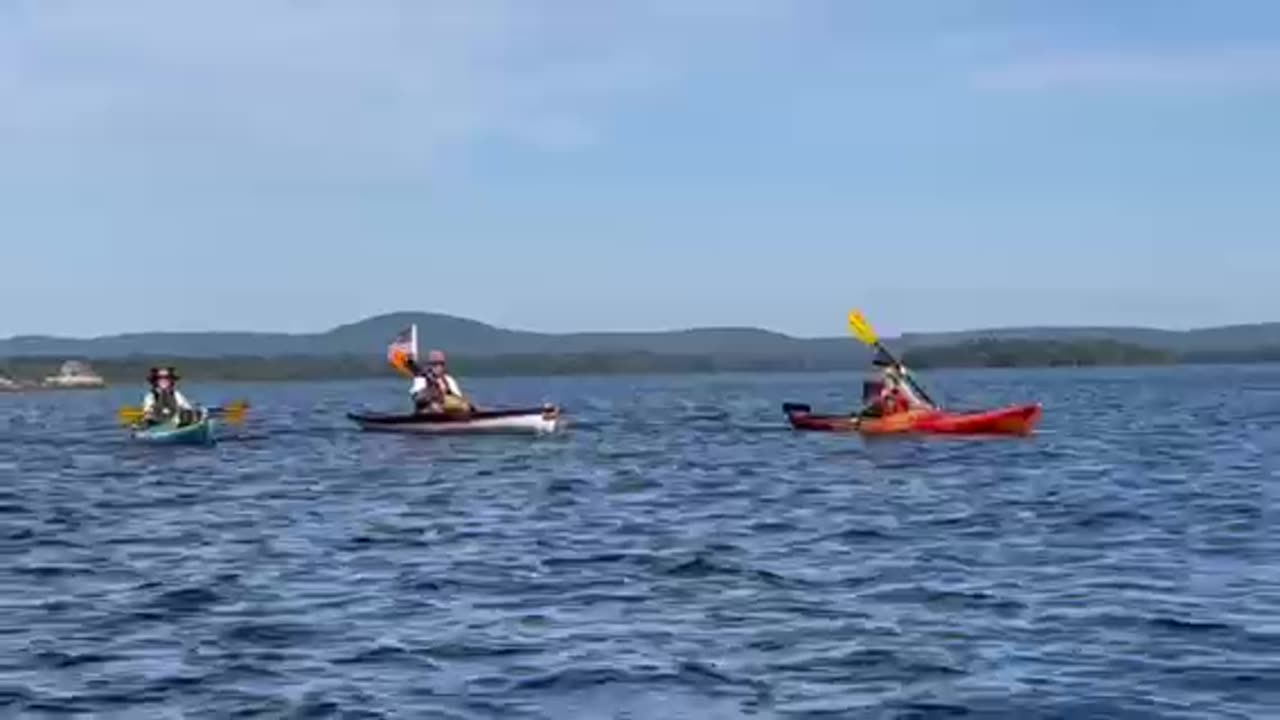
pixel 677 553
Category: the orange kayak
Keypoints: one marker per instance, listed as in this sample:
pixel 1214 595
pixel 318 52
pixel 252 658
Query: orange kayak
pixel 1012 420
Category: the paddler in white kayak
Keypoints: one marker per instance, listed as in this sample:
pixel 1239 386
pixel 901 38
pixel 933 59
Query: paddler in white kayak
pixel 164 403
pixel 433 389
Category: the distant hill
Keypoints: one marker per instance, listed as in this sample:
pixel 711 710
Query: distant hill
pixel 1009 353
pixel 1227 338
pixel 461 336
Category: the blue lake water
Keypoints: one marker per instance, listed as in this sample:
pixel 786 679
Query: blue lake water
pixel 678 552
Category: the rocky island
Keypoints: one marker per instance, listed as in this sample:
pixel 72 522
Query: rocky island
pixel 72 375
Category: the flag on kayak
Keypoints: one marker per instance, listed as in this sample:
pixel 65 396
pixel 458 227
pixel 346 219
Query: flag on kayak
pixel 403 347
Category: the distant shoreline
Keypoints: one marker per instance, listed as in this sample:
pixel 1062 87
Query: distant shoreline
pixel 975 354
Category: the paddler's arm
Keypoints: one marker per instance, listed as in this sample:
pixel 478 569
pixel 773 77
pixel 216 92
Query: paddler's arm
pixel 412 365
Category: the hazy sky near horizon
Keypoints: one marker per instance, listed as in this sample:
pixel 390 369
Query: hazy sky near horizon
pixel 591 164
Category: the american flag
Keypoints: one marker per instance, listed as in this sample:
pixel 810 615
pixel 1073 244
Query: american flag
pixel 405 345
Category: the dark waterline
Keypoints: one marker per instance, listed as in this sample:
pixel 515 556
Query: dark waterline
pixel 678 553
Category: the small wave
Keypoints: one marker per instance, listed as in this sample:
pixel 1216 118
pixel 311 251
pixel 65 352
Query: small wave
pixel 869 664
pixel 1190 626
pixel 388 655
pixel 572 679
pixel 1109 518
pixel 858 534
pixel 773 526
pixel 700 567
pixel 420 585
pixel 699 675
pixel 269 634
pixel 604 558
pixel 473 651
pixel 953 599
pixel 710 677
pixel 15 697
pixel 18 534
pixel 386 536
pixel 186 601
pixel 923 710
pixel 703 567
pixel 703 415
pixel 53 570
pixel 58 660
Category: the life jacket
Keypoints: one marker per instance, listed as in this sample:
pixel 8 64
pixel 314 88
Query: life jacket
pixel 428 390
pixel 896 401
pixel 435 390
pixel 444 386
pixel 165 403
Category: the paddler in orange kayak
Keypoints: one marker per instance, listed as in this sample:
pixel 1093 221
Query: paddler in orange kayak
pixel 892 392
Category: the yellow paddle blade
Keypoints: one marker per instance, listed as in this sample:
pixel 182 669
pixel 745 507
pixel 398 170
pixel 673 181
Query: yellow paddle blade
pixel 233 412
pixel 861 329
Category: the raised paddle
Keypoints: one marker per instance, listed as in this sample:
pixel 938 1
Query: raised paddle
pixel 232 413
pixel 862 330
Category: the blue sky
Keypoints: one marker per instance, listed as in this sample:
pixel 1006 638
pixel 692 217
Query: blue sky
pixel 582 164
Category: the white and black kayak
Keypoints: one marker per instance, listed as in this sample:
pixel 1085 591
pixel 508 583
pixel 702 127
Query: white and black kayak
pixel 543 419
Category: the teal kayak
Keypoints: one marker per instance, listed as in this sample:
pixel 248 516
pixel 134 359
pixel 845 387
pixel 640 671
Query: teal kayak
pixel 197 433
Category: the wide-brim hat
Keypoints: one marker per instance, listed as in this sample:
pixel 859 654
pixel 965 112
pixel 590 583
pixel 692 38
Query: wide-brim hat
pixel 158 373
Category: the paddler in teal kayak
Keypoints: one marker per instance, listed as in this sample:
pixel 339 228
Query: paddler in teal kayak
pixel 434 390
pixel 163 403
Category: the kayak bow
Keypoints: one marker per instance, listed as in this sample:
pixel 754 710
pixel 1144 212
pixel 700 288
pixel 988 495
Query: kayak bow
pixel 199 432
pixel 543 419
pixel 1012 420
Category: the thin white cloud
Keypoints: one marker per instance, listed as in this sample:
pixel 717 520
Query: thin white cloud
pixel 1222 71
pixel 333 87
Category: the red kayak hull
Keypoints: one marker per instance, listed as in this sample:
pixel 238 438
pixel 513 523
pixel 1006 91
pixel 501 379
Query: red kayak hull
pixel 1012 420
